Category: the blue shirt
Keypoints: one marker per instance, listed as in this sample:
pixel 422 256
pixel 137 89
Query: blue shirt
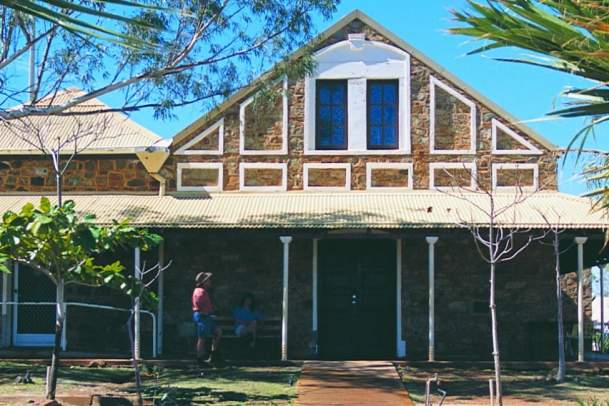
pixel 242 314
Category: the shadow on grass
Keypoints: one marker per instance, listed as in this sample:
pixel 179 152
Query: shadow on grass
pixel 9 371
pixel 533 386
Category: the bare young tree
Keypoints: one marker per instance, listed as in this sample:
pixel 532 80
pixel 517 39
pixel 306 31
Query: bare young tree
pixel 492 221
pixel 555 229
pixel 148 276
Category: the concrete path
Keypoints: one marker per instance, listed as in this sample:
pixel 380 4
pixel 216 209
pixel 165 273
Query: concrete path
pixel 350 383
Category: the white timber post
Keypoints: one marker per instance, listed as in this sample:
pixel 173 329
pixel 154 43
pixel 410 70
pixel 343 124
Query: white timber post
pixel 431 354
pixel 161 294
pixel 285 240
pixel 136 306
pixel 5 298
pixel 580 241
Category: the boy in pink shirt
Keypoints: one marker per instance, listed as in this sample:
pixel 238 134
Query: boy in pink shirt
pixel 204 318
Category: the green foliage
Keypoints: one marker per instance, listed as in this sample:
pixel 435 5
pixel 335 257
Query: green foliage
pixel 68 246
pixel 593 402
pixel 570 36
pixel 61 12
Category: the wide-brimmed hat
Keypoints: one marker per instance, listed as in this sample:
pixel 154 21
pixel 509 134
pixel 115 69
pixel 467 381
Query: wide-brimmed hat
pixel 202 277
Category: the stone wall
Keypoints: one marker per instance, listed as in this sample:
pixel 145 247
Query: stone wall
pixel 389 178
pixel 84 174
pixel 525 302
pixel 452 124
pixel 252 262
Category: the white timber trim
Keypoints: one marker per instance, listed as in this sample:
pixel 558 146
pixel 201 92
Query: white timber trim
pixel 137 274
pixel 201 165
pixel 580 241
pixel 433 82
pixel 516 166
pixel 285 240
pixel 284 122
pixel 400 343
pixel 371 166
pixel 345 166
pixel 496 126
pixel 357 60
pixel 471 166
pixel 218 125
pixel 244 166
pixel 431 351
pixel 161 298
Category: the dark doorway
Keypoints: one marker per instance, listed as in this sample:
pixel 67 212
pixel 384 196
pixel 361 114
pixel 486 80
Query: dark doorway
pixel 357 299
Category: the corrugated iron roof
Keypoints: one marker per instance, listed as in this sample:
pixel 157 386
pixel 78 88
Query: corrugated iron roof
pixel 388 210
pixel 111 132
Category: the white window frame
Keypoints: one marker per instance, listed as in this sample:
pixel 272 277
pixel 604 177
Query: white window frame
pixel 370 166
pixel 452 165
pixel 201 165
pixel 263 165
pixel 433 82
pixel 284 132
pixel 497 125
pixel 516 166
pixel 218 125
pixel 315 165
pixel 354 73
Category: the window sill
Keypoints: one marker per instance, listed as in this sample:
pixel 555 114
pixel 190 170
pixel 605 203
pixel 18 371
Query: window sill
pixel 356 152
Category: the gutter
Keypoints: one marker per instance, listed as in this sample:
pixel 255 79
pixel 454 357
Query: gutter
pixel 153 158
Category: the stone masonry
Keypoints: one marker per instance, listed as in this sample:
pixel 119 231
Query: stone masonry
pixel 84 174
pixel 452 132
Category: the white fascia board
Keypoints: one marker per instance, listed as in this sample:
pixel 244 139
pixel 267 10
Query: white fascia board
pixel 370 166
pixel 200 165
pixel 311 165
pixel 516 166
pixel 497 125
pixel 218 125
pixel 471 166
pixel 433 82
pixel 263 165
pixel 284 124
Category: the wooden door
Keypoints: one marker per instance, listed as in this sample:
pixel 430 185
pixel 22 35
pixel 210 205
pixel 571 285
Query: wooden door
pixel 357 299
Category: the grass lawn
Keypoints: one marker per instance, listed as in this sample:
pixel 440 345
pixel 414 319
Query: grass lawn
pixel 469 386
pixel 224 386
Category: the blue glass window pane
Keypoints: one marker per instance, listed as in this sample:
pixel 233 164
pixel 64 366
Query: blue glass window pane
pixel 324 136
pixel 338 135
pixel 376 114
pixel 389 94
pixel 376 136
pixel 338 95
pixel 389 116
pixel 325 115
pixel 375 94
pixel 324 95
pixel 338 116
pixel 389 136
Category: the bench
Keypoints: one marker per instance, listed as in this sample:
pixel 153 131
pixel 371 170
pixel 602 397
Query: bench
pixel 268 339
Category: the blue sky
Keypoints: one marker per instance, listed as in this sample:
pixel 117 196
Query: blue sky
pixel 526 92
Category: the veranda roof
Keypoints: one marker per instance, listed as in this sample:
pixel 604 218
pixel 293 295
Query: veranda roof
pixel 356 210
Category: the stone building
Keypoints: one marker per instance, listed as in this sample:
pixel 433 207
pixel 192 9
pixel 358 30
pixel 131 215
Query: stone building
pixel 336 203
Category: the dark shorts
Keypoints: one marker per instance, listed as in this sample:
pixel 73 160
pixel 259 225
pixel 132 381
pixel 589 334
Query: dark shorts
pixel 206 326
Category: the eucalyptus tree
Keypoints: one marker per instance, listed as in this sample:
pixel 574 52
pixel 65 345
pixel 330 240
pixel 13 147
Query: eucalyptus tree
pixel 200 52
pixel 570 36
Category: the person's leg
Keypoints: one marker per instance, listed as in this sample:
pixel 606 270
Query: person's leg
pixel 251 329
pixel 201 347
